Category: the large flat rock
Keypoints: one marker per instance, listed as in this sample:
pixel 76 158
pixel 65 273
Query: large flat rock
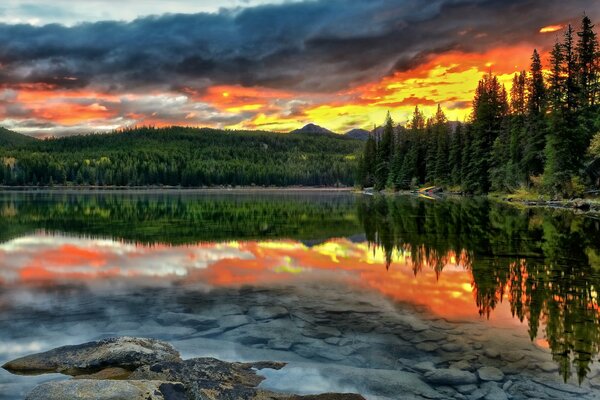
pixel 124 352
pixel 83 389
pixel 212 379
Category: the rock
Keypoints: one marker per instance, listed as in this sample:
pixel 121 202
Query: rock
pixel 88 389
pixel 490 374
pixel 493 391
pixel 123 352
pixel 321 332
pixel 197 321
pixel 234 321
pixel 462 364
pixel 507 385
pixel 427 346
pixel 451 347
pixel 107 373
pixel 491 353
pixel 267 312
pixel 450 376
pixel 325 396
pixel 278 344
pixel 424 366
pixel 209 378
pixel 512 356
pixel 466 389
pixel 548 366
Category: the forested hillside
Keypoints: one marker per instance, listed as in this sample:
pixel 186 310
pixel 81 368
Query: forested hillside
pixel 543 135
pixel 176 156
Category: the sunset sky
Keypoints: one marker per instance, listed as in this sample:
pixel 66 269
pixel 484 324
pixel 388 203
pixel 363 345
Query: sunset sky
pixel 77 67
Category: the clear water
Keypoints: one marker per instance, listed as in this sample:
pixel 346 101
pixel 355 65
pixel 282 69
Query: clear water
pixel 357 293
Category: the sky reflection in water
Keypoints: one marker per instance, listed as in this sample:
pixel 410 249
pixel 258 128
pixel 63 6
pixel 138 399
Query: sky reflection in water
pixel 461 259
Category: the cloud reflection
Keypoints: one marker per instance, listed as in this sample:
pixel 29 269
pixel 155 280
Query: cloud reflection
pixel 54 260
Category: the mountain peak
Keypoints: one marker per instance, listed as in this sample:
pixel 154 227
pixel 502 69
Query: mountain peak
pixel 313 129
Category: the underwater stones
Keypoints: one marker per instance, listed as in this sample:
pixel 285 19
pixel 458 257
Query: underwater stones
pixel 234 321
pixel 491 353
pixel 267 312
pixel 123 352
pixel 321 332
pixel 548 366
pixel 108 390
pixel 450 376
pixel 462 364
pixel 427 346
pixel 490 374
pixel 494 392
pixel 424 366
pixel 196 321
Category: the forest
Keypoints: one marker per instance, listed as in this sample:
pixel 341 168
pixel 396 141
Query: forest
pixel 179 156
pixel 541 136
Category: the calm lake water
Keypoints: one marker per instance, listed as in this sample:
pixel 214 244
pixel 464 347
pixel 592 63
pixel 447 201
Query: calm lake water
pixel 365 294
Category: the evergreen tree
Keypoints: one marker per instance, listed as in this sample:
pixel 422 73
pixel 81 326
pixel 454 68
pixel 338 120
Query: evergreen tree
pixel 369 161
pixel 587 53
pixel 455 160
pixel 384 153
pixel 441 137
pixel 490 107
pixel 535 130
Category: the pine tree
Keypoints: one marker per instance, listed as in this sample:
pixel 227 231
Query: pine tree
pixel 455 160
pixel 384 154
pixel 441 136
pixel 565 136
pixel 587 53
pixel 570 69
pixel 490 107
pixel 369 161
pixel 535 130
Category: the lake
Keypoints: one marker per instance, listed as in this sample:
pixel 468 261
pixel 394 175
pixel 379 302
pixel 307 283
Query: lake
pixel 377 295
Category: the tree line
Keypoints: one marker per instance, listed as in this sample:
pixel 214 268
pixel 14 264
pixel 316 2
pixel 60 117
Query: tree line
pixel 179 156
pixel 541 135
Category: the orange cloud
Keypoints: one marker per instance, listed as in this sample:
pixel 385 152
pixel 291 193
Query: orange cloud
pixel 551 28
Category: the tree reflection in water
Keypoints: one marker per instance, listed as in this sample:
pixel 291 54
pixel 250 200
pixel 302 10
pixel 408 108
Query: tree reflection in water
pixel 545 262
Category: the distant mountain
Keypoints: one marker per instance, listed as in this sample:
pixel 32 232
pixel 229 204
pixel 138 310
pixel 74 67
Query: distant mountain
pixel 360 134
pixel 312 129
pixel 9 138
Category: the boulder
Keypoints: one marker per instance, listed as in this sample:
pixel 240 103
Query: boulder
pixel 209 378
pixel 88 389
pixel 123 352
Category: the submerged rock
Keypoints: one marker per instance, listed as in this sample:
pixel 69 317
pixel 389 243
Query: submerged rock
pixel 108 390
pixel 124 352
pixel 450 376
pixel 490 374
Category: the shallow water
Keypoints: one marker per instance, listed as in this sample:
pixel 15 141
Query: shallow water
pixel 357 293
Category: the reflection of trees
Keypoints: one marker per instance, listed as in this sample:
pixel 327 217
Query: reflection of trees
pixel 180 219
pixel 545 262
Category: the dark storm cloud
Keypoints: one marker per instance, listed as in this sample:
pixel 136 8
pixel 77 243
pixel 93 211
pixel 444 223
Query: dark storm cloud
pixel 317 46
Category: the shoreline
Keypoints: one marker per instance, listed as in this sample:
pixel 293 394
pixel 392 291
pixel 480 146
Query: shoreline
pixel 579 205
pixel 172 189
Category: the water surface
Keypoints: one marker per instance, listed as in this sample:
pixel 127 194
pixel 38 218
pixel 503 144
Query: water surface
pixel 357 293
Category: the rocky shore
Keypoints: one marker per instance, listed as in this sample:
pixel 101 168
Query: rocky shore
pixel 127 368
pixel 324 338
